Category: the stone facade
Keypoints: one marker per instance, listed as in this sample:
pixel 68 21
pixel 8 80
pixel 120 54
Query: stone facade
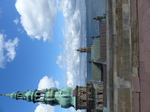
pixel 89 97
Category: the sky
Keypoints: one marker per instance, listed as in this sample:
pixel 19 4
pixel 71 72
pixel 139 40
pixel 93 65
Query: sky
pixel 38 42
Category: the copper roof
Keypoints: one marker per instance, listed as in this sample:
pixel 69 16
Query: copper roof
pixel 102 41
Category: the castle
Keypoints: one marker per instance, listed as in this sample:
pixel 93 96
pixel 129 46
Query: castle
pixel 92 97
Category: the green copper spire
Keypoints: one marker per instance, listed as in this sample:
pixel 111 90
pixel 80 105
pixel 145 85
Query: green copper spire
pixel 51 96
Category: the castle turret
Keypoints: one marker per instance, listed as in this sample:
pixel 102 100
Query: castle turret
pixel 85 49
pixel 100 17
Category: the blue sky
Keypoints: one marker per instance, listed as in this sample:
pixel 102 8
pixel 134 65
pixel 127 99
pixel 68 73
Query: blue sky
pixel 38 39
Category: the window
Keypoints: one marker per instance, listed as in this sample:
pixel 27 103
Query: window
pixel 84 101
pixel 84 92
pixel 42 95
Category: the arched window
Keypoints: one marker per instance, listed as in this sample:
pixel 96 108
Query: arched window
pixel 42 95
pixel 37 93
pixel 37 97
pixel 20 94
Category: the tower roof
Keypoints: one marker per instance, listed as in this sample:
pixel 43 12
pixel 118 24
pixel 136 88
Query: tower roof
pixel 51 96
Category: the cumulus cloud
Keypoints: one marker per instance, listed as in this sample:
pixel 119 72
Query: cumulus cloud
pixel 16 21
pixel 7 50
pixel 44 108
pixel 37 17
pixel 57 84
pixel 45 82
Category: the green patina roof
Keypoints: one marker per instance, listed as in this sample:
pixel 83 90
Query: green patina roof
pixel 51 96
pixel 95 50
pixel 95 55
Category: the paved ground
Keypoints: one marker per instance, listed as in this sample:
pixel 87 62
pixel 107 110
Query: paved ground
pixel 119 39
pixel 140 23
pixel 141 11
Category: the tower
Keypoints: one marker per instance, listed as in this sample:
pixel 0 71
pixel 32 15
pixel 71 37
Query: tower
pixel 51 96
pixel 89 97
pixel 85 49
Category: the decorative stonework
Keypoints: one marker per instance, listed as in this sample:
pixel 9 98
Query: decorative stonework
pixel 85 49
pixel 89 97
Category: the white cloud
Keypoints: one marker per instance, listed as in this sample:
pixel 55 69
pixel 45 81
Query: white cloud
pixel 71 79
pixel 45 82
pixel 37 17
pixel 16 21
pixel 74 33
pixel 60 61
pixel 57 84
pixel 44 108
pixel 7 50
pixel 73 110
pixel 10 46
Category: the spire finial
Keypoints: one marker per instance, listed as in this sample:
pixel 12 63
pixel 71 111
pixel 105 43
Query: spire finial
pixel 3 94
